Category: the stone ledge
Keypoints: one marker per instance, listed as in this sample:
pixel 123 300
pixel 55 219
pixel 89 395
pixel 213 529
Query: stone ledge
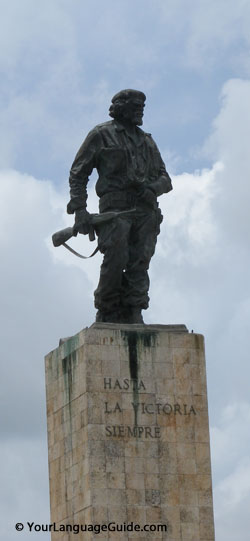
pixel 157 327
pixel 141 327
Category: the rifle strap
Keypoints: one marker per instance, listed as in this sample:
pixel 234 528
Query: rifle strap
pixel 79 255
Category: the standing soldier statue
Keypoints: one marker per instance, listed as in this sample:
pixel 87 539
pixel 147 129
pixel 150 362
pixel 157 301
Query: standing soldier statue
pixel 132 175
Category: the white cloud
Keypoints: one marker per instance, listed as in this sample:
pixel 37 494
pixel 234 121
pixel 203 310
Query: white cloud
pixel 214 32
pixel 25 487
pixel 230 141
pixel 207 216
pixel 230 439
pixel 230 443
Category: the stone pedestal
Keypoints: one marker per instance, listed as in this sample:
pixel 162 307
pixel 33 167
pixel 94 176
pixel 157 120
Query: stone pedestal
pixel 128 434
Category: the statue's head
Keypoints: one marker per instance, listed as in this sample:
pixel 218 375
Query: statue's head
pixel 128 105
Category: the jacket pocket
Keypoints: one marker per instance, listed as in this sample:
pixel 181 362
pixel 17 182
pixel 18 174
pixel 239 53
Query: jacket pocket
pixel 112 160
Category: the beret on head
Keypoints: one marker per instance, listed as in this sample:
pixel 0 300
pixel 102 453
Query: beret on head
pixel 124 95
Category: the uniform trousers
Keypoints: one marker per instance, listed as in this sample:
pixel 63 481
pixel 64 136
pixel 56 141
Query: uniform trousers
pixel 128 243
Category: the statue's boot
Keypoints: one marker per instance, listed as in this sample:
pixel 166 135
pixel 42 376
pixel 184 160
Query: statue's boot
pixel 126 315
pixel 130 314
pixel 107 317
pixel 135 315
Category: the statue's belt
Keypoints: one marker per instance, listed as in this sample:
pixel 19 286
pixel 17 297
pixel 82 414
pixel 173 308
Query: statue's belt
pixel 122 200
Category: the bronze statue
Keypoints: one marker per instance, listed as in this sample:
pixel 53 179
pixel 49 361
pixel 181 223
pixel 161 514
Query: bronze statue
pixel 132 175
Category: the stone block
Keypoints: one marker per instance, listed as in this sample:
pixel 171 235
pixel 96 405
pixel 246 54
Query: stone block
pixel 115 480
pixel 135 481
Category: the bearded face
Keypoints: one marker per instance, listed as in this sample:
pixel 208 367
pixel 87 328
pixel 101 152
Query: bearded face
pixel 128 106
pixel 133 111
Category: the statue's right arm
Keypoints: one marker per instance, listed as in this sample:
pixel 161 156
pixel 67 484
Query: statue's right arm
pixel 82 167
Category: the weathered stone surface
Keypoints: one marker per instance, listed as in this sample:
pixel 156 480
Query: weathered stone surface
pixel 128 432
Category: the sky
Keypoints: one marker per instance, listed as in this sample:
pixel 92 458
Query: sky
pixel 60 64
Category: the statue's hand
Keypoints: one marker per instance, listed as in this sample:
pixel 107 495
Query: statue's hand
pixel 148 197
pixel 82 221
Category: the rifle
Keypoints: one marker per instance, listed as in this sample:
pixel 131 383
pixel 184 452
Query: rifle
pixel 61 237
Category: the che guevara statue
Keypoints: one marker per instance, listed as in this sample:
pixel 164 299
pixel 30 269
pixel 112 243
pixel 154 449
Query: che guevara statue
pixel 132 175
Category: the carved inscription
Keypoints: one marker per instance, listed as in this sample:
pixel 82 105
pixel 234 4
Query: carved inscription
pixel 150 408
pixel 124 385
pixel 122 431
pixel 142 407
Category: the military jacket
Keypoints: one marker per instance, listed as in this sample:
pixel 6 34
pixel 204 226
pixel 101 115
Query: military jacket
pixel 123 162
